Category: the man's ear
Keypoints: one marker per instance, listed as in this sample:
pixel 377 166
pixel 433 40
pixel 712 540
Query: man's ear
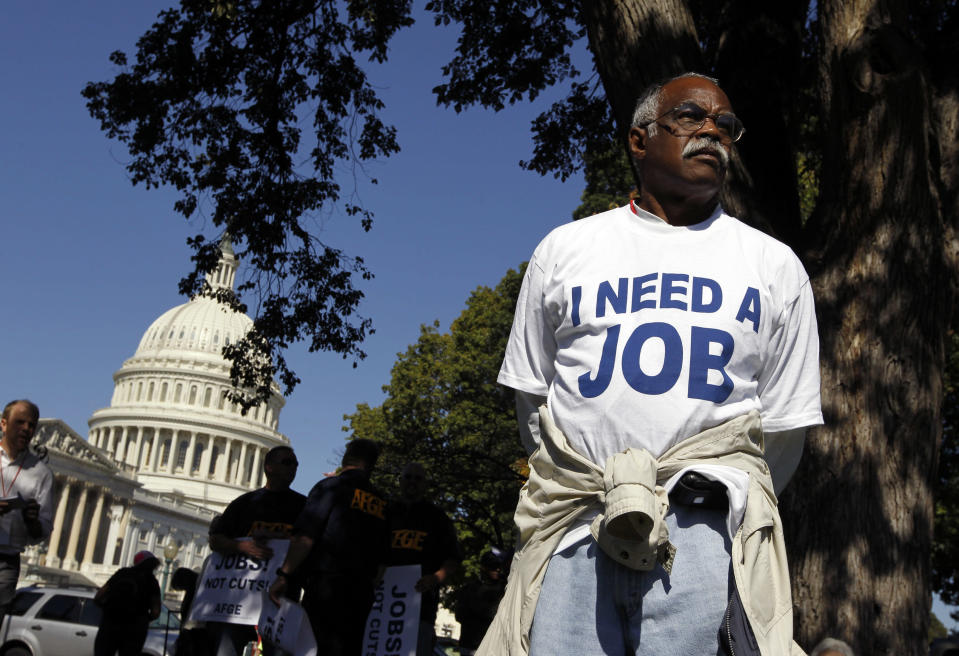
pixel 637 142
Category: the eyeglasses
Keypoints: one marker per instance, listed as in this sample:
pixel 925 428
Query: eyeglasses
pixel 689 117
pixel 290 462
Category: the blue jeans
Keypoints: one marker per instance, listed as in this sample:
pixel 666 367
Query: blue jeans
pixel 590 605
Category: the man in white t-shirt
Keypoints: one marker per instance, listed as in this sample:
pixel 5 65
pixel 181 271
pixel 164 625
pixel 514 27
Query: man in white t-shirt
pixel 639 328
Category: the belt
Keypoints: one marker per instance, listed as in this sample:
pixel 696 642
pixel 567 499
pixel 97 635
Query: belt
pixel 694 489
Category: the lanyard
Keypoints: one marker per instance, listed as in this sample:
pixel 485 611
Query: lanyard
pixel 3 487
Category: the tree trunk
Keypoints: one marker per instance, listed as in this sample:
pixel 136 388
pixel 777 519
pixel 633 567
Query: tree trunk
pixel 637 43
pixel 946 120
pixel 859 513
pixel 760 47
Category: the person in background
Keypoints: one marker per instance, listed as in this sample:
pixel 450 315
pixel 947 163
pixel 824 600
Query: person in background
pixel 130 600
pixel 26 494
pixel 832 647
pixel 339 544
pixel 245 526
pixel 193 639
pixel 477 601
pixel 422 534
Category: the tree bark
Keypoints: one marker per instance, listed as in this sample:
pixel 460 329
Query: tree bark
pixel 637 43
pixel 859 514
pixel 760 47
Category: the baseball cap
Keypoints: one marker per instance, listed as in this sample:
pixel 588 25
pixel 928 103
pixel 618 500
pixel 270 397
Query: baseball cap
pixel 143 556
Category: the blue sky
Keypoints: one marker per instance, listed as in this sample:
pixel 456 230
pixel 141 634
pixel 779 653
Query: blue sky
pixel 89 261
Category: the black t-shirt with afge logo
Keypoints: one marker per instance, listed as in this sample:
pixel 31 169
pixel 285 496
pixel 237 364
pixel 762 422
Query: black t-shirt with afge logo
pixel 345 516
pixel 422 534
pixel 260 513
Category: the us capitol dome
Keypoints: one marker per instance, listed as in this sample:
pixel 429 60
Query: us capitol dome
pixel 170 423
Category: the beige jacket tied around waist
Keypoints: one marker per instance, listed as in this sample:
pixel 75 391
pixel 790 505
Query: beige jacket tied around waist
pixel 563 485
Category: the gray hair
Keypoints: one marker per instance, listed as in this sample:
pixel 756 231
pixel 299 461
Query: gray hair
pixel 647 105
pixel 833 644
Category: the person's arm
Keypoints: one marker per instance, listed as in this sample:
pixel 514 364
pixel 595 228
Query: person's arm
pixel 527 416
pixel 38 513
pixel 226 545
pixel 226 529
pixel 101 594
pixel 309 526
pixel 783 452
pixel 449 549
pixel 156 599
pixel 789 384
pixel 529 361
pixel 155 606
pixel 31 519
pixel 437 579
pixel 300 547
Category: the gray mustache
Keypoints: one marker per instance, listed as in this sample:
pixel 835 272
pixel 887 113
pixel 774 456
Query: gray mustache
pixel 706 145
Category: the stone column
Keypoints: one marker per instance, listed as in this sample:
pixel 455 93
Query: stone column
pixel 115 515
pixel 257 469
pixel 224 474
pixel 155 450
pixel 52 559
pixel 129 528
pixel 137 453
pixel 190 453
pixel 241 465
pixel 70 557
pixel 152 538
pixel 94 532
pixel 121 451
pixel 171 457
pixel 204 472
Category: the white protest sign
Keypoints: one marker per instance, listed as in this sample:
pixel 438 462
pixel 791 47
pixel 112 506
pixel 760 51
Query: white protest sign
pixel 287 627
pixel 231 586
pixel 394 620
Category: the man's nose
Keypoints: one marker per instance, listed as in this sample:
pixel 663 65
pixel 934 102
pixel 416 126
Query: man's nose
pixel 709 129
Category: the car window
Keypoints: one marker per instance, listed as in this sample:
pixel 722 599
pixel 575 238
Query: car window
pixel 65 608
pixel 22 602
pixel 91 613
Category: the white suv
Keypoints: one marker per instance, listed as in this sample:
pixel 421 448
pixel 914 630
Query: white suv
pixel 56 621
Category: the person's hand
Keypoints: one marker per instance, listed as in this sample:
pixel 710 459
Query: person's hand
pixel 31 512
pixel 278 589
pixel 254 549
pixel 427 583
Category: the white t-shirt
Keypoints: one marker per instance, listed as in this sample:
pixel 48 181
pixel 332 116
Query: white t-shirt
pixel 641 334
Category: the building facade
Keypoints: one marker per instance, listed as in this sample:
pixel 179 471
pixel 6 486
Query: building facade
pixel 168 454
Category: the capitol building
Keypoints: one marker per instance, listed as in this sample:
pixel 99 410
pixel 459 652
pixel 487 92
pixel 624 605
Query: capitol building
pixel 168 454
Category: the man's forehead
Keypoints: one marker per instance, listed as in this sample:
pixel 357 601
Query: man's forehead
pixel 696 89
pixel 24 408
